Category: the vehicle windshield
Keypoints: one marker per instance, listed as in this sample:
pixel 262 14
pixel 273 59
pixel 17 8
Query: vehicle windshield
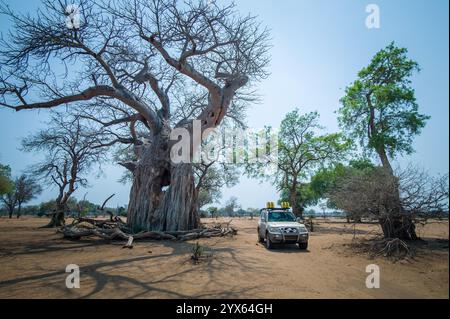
pixel 281 216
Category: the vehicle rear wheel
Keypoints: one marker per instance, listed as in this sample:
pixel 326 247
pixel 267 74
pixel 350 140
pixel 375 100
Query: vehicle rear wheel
pixel 269 244
pixel 260 239
pixel 303 246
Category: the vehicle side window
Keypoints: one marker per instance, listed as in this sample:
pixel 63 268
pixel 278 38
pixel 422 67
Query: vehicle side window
pixel 263 216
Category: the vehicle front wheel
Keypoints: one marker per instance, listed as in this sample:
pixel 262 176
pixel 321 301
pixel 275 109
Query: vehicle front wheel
pixel 269 244
pixel 303 246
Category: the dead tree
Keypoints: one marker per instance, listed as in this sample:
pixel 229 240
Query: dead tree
pixel 374 192
pixel 156 65
pixel 102 208
pixel 71 150
pixel 80 206
pixel 117 229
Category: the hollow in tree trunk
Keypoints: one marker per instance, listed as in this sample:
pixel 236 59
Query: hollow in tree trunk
pixel 162 197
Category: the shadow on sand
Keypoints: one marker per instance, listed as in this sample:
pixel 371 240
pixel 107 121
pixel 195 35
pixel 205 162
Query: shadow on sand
pixel 154 287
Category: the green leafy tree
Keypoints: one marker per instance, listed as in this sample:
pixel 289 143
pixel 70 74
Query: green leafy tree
pixel 16 192
pixel 252 212
pixel 380 109
pixel 26 189
pixel 325 178
pixel 213 211
pixel 231 206
pixel 5 179
pixel 46 208
pixel 9 201
pixel 301 150
pixel 306 196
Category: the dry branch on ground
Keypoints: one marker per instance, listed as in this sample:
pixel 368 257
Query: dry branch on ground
pixel 117 229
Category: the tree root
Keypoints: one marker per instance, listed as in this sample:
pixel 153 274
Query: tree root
pixel 117 229
pixel 392 248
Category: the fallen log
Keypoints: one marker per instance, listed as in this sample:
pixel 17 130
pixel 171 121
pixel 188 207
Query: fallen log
pixel 154 235
pixel 117 229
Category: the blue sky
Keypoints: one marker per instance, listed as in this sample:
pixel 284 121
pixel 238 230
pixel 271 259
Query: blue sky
pixel 318 48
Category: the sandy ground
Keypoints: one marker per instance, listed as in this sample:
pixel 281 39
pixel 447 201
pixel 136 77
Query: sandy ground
pixel 33 263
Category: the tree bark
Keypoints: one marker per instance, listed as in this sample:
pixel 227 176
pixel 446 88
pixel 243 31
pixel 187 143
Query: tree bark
pixel 385 160
pixel 293 199
pixel 398 225
pixel 19 208
pixel 162 197
pixel 10 204
pixel 401 227
pixel 57 219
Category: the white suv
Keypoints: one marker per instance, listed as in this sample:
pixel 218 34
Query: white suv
pixel 279 226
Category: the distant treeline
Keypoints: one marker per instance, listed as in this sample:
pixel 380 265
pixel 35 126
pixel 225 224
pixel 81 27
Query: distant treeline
pixel 74 208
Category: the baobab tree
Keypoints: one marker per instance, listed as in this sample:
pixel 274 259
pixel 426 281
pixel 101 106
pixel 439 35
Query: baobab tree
pixel 160 63
pixel 71 149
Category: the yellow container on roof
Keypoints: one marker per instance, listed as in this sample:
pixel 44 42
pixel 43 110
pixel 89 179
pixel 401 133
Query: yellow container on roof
pixel 285 205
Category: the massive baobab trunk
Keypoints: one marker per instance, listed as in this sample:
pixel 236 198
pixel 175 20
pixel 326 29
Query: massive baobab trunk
pixel 163 194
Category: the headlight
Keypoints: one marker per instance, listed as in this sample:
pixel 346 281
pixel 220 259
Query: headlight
pixel 275 230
